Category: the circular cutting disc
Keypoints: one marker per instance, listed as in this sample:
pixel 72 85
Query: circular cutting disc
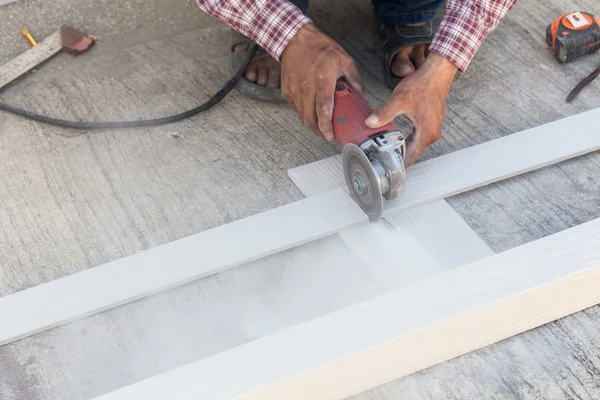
pixel 362 181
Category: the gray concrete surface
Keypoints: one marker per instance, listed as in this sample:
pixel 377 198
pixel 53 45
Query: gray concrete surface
pixel 73 201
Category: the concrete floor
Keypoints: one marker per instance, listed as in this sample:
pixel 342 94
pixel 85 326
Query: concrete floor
pixel 74 201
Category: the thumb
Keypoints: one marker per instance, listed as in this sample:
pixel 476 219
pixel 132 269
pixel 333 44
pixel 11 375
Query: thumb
pixel 389 110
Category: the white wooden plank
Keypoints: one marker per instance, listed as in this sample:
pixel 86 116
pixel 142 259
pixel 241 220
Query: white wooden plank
pixel 472 167
pixel 398 333
pixel 433 237
pixel 30 59
pixel 176 263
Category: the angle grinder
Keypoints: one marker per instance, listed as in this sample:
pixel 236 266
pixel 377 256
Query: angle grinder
pixel 373 159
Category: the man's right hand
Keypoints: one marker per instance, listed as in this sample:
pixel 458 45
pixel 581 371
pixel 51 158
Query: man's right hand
pixel 310 66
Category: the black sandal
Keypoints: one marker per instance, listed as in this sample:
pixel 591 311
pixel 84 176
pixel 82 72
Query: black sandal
pixel 244 86
pixel 398 37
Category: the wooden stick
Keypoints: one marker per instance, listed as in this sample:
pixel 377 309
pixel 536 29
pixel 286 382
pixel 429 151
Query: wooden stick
pixel 396 334
pixel 472 167
pixel 122 281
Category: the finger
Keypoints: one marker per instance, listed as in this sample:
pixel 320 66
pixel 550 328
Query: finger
pixel 384 114
pixel 274 77
pixel 289 92
pixel 421 140
pixel 352 76
pixel 263 75
pixel 418 56
pixel 298 106
pixel 292 96
pixel 402 66
pixel 324 102
pixel 292 93
pixel 285 87
pixel 309 110
pixel 414 149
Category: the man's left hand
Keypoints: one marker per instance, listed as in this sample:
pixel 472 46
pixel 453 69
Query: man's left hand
pixel 420 97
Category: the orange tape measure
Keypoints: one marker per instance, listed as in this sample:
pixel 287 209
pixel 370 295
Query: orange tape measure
pixel 573 35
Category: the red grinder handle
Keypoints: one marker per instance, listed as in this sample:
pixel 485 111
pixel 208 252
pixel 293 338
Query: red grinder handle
pixel 350 110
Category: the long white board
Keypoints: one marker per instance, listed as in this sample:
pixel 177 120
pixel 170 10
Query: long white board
pixel 122 281
pixel 395 334
pixel 472 167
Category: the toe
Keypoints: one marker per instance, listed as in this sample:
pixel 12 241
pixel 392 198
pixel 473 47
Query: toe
pixel 264 71
pixel 402 66
pixel 274 77
pixel 240 47
pixel 418 55
pixel 263 75
pixel 251 72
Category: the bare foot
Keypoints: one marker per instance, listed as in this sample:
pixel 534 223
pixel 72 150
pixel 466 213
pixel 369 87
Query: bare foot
pixel 409 59
pixel 265 71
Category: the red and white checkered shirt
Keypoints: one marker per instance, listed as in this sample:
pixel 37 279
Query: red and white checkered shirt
pixel 273 23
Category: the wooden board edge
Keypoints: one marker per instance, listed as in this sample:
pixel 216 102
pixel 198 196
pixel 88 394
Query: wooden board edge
pixel 393 335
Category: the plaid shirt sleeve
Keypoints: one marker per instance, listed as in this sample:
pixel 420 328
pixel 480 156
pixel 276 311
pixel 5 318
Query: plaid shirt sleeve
pixel 273 23
pixel 269 23
pixel 465 26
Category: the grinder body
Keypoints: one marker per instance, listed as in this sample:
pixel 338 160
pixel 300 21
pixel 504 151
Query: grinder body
pixel 373 159
pixel 349 114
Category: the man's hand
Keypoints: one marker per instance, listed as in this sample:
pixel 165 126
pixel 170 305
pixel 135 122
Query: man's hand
pixel 310 66
pixel 420 97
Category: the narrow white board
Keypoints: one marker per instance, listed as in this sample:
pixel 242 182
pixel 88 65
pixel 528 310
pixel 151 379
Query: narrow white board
pixel 395 334
pixel 472 167
pixel 122 281
pixel 415 244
